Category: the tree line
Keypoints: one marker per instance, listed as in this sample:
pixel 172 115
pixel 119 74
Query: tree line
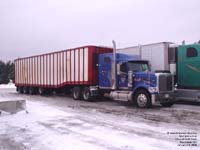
pixel 7 72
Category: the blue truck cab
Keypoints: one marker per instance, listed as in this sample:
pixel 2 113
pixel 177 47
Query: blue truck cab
pixel 133 81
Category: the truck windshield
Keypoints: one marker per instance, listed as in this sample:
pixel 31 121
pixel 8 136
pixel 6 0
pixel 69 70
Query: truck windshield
pixel 138 66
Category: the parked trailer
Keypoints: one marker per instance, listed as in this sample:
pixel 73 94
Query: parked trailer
pixel 92 71
pixel 161 56
pixel 66 68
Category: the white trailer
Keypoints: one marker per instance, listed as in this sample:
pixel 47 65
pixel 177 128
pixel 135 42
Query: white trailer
pixel 161 56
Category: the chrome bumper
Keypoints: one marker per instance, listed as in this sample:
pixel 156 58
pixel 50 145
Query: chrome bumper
pixel 162 98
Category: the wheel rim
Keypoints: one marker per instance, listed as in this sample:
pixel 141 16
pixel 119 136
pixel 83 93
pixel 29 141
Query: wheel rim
pixel 30 91
pixel 40 91
pixel 24 90
pixel 76 94
pixel 142 100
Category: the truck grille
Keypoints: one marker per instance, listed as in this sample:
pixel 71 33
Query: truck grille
pixel 165 82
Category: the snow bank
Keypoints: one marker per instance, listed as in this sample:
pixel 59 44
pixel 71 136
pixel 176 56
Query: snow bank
pixel 7 86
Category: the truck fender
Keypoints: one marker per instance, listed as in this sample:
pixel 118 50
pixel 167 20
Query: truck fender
pixel 141 87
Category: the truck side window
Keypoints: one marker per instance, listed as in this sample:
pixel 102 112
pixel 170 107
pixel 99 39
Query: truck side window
pixel 191 52
pixel 123 67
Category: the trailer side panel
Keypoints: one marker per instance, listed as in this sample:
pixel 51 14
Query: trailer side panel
pixel 69 67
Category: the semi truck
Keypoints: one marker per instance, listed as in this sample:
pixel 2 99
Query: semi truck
pixel 92 71
pixel 183 61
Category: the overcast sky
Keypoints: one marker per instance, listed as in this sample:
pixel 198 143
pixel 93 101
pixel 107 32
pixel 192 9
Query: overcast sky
pixel 29 27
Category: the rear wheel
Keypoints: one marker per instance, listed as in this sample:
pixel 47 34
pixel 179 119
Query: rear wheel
pixel 41 91
pixel 48 91
pixel 31 90
pixel 142 99
pixel 76 93
pixel 58 91
pixel 25 90
pixel 86 94
pixel 20 90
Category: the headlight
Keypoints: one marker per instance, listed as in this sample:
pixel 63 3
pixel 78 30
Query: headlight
pixel 153 89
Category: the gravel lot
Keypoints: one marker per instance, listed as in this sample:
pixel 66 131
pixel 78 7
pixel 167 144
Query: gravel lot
pixel 61 123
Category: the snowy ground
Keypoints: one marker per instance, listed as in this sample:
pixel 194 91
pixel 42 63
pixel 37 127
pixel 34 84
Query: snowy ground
pixel 60 123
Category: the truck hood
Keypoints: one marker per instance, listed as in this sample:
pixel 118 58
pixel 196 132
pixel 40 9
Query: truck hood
pixel 146 78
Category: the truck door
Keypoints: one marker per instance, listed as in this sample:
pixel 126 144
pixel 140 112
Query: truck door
pixel 123 76
pixel 105 69
pixel 190 66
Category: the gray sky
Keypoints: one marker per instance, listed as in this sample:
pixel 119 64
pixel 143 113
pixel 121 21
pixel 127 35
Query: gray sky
pixel 29 27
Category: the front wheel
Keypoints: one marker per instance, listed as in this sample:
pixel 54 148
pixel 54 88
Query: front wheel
pixel 142 99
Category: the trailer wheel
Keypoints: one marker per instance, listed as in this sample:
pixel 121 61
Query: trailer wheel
pixel 17 89
pixel 20 90
pixel 142 99
pixel 49 91
pixel 31 90
pixel 41 91
pixel 167 104
pixel 25 90
pixel 76 93
pixel 58 91
pixel 86 94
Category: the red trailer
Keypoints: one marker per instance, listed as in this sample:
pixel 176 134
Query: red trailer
pixel 69 69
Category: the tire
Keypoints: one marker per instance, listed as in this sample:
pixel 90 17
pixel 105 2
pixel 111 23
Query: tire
pixel 18 89
pixel 86 94
pixel 76 93
pixel 21 90
pixel 49 91
pixel 58 91
pixel 41 91
pixel 25 90
pixel 67 90
pixel 31 90
pixel 167 104
pixel 142 99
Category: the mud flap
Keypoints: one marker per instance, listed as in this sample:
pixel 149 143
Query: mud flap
pixel 153 99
